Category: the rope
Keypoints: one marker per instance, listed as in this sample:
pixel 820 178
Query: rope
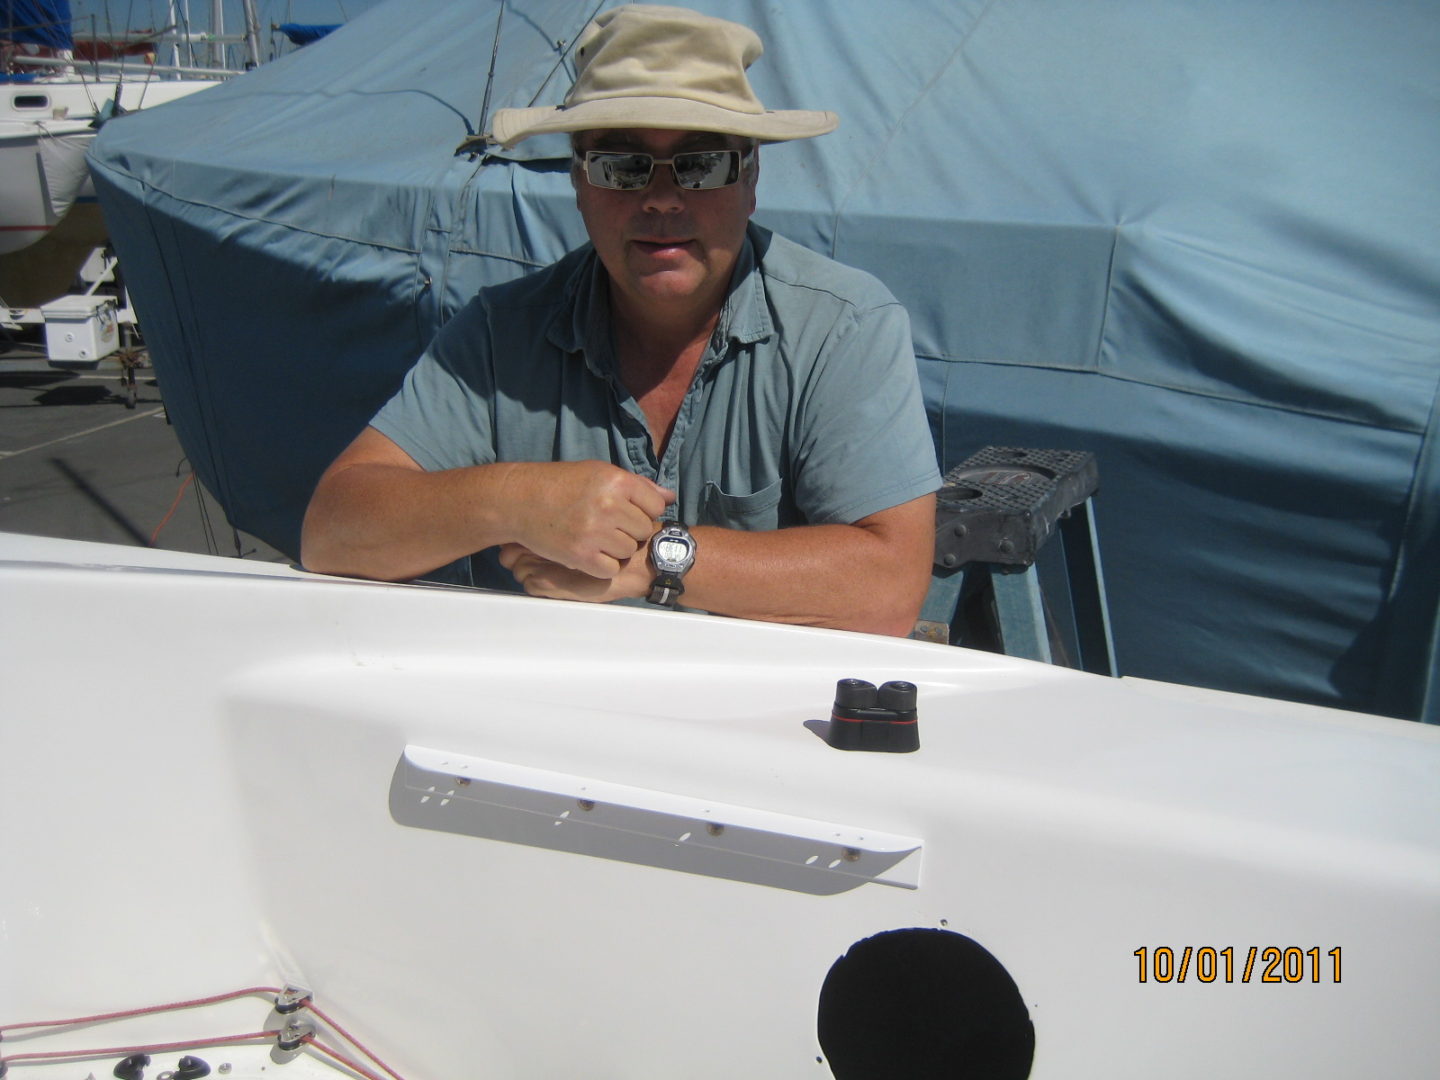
pixel 111 1051
pixel 143 1011
pixel 191 1003
pixel 155 536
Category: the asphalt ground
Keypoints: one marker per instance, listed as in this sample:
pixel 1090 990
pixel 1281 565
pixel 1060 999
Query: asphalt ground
pixel 77 463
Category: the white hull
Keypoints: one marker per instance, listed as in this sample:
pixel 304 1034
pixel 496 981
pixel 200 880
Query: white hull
pixel 217 774
pixel 45 131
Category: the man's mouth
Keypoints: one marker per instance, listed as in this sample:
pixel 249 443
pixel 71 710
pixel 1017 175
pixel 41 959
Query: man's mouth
pixel 656 247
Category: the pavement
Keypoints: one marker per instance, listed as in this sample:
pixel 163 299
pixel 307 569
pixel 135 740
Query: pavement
pixel 76 462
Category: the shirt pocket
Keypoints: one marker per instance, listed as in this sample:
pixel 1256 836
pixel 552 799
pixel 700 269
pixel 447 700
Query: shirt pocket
pixel 755 512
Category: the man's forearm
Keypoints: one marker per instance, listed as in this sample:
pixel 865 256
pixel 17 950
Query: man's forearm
pixel 840 576
pixel 377 514
pixel 392 523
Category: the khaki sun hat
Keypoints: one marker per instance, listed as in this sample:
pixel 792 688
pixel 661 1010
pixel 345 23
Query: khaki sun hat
pixel 647 66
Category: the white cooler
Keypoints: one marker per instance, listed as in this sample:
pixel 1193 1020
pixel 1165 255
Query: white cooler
pixel 80 330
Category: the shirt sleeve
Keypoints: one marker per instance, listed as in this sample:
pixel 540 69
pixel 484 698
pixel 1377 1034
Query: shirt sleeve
pixel 443 414
pixel 864 442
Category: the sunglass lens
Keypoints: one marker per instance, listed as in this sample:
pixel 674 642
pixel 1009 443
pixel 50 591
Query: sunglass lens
pixel 704 170
pixel 622 172
pixel 701 170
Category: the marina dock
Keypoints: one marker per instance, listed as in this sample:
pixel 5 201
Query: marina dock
pixel 77 463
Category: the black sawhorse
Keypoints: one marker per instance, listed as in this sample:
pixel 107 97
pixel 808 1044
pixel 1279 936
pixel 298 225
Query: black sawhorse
pixel 993 517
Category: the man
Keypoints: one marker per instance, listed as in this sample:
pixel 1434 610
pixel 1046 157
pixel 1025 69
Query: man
pixel 687 405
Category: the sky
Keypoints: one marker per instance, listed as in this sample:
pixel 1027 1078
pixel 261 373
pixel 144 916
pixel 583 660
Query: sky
pixel 150 14
pixel 144 14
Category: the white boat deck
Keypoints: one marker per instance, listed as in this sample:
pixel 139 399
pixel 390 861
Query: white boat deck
pixel 216 774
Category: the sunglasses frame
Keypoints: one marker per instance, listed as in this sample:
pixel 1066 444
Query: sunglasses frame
pixel 590 160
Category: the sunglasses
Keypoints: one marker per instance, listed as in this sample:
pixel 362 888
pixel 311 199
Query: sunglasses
pixel 702 170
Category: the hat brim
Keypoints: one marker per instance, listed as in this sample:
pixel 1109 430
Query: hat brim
pixel 509 126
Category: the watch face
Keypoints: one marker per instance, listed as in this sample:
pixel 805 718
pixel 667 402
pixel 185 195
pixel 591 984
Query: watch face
pixel 671 550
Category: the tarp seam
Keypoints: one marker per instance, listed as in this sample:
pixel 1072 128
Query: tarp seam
pixel 879 157
pixel 230 213
pixel 1318 414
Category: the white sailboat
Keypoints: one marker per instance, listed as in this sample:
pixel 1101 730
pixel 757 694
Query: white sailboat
pixel 52 103
pixel 486 835
pixel 46 126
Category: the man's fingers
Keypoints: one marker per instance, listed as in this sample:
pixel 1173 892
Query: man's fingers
pixel 652 498
pixel 537 572
pixel 509 554
pixel 589 516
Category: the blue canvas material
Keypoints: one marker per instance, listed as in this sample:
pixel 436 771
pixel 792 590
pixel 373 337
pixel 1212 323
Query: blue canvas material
pixel 1198 240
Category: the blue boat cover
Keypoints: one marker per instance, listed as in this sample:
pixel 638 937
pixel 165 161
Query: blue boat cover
pixel 1200 238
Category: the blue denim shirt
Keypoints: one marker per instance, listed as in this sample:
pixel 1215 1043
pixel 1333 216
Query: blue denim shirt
pixel 805 408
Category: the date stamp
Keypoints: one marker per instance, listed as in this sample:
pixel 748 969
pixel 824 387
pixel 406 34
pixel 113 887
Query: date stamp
pixel 1258 963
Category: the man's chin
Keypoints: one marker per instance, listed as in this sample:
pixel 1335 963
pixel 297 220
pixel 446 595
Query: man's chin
pixel 670 284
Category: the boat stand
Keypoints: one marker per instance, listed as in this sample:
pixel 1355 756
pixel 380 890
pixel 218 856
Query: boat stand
pixel 994 515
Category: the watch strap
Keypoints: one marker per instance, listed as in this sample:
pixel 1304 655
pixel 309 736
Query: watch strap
pixel 665 590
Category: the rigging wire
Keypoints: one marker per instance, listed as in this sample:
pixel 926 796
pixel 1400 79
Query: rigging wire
pixel 490 78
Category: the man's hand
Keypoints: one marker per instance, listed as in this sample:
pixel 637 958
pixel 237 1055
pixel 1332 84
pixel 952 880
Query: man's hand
pixel 543 577
pixel 586 516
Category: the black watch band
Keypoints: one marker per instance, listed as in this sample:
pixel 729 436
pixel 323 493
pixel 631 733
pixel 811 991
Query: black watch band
pixel 665 590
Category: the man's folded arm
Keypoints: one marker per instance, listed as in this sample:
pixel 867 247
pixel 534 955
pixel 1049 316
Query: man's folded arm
pixel 377 514
pixel 870 576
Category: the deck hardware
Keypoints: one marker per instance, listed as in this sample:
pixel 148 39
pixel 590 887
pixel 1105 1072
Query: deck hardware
pixel 866 718
pixel 519 804
pixel 296 1030
pixel 291 998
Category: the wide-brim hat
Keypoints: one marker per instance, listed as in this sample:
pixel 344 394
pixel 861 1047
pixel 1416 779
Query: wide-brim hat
pixel 646 66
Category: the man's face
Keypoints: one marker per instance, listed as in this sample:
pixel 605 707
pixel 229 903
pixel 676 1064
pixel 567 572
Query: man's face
pixel 666 245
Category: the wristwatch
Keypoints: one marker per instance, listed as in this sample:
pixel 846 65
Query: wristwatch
pixel 672 553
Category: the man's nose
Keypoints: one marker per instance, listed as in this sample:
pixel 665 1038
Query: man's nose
pixel 663 195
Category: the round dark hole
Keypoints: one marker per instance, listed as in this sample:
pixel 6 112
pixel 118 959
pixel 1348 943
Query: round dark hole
pixel 923 1004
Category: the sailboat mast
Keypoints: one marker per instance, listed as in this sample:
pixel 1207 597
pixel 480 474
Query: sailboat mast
pixel 217 28
pixel 252 34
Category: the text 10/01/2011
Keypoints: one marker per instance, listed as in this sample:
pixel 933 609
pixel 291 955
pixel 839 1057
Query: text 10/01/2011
pixel 1263 964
